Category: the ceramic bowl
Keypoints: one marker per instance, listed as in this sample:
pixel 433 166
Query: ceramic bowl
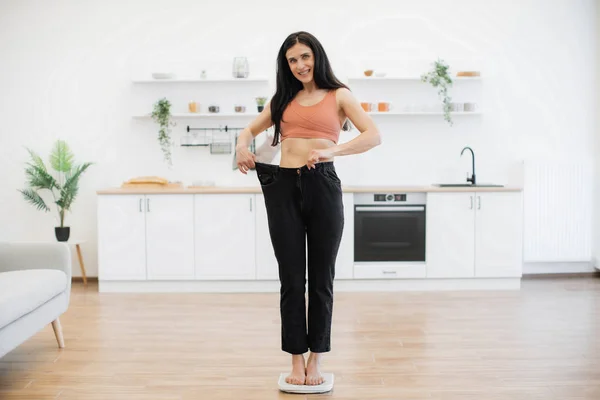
pixel 163 75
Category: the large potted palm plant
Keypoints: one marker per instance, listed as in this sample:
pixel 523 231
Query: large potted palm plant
pixel 63 188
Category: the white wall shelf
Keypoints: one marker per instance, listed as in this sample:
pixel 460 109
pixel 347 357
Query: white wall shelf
pixel 407 78
pixel 266 80
pixel 423 113
pixel 236 115
pixel 199 80
pixel 203 115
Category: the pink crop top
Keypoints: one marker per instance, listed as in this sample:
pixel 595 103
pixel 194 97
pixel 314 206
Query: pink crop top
pixel 320 120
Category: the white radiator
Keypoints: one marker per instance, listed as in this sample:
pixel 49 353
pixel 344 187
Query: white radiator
pixel 557 211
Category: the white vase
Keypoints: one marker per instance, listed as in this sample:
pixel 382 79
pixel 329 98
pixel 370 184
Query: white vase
pixel 241 68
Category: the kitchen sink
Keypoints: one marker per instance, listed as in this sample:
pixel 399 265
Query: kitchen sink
pixel 471 181
pixel 467 185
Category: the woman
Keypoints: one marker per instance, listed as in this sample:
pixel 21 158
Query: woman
pixel 303 194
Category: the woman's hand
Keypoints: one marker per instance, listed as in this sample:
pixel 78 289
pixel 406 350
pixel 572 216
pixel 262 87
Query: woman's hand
pixel 316 156
pixel 245 159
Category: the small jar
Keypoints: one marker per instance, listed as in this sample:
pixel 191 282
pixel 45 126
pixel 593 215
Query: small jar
pixel 192 107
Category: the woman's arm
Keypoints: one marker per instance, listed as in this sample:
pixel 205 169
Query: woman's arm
pixel 254 128
pixel 369 134
pixel 244 158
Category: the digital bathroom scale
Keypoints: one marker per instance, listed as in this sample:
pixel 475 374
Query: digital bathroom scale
pixel 326 386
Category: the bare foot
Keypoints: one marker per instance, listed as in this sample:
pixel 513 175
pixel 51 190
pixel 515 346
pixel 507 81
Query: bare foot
pixel 313 373
pixel 297 376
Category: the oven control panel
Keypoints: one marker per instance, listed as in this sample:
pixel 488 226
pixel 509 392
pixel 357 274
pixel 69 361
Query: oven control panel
pixel 388 197
pixel 410 198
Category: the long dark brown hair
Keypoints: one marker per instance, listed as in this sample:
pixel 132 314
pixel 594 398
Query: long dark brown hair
pixel 287 84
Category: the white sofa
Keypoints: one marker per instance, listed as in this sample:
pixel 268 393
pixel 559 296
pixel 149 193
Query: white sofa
pixel 35 289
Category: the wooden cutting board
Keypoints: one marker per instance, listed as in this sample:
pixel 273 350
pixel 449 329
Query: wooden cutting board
pixel 152 185
pixel 153 182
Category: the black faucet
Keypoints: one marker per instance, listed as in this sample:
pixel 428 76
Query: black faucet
pixel 472 178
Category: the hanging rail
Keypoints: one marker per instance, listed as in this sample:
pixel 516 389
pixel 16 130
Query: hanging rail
pixel 218 139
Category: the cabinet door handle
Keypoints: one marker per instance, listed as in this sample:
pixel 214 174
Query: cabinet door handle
pixel 140 205
pixel 479 202
pixel 250 203
pixel 148 205
pixel 471 197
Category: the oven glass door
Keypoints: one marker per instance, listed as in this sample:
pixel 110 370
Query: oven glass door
pixel 389 233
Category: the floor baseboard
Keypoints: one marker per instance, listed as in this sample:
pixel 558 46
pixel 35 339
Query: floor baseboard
pixel 562 275
pixel 80 279
pixel 549 275
pixel 533 268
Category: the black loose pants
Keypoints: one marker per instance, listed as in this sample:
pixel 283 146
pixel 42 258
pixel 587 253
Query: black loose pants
pixel 304 207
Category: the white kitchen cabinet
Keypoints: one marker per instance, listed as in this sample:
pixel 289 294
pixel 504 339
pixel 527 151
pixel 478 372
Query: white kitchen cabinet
pixel 225 236
pixel 145 237
pixel 474 234
pixel 498 238
pixel 450 235
pixel 170 236
pixel 121 237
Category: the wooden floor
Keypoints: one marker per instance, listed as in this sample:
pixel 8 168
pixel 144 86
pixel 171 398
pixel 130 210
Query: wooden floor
pixel 542 342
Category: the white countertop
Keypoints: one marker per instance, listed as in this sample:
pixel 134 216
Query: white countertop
pixel 149 189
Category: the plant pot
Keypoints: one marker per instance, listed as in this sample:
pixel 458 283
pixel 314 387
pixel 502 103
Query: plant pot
pixel 260 108
pixel 62 234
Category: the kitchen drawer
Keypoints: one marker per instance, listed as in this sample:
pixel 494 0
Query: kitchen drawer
pixel 389 270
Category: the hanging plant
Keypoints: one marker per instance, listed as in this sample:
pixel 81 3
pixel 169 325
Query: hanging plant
pixel 161 114
pixel 438 78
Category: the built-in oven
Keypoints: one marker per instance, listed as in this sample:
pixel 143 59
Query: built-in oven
pixel 389 234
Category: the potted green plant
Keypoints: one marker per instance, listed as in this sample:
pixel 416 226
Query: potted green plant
pixel 438 78
pixel 161 114
pixel 64 187
pixel 260 103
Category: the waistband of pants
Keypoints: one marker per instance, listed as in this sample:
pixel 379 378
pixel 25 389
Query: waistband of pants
pixel 322 166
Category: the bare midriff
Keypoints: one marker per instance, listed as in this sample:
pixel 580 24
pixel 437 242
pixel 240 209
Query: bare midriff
pixel 295 151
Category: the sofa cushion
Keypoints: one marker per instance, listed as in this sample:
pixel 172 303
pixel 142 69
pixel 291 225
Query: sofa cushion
pixel 23 291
